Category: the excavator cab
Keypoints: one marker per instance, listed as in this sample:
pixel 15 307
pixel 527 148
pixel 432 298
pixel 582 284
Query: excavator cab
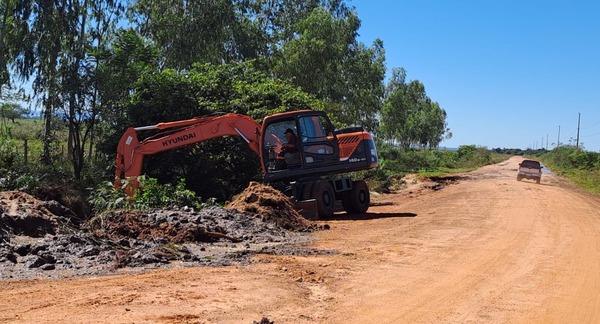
pixel 316 144
pixel 322 151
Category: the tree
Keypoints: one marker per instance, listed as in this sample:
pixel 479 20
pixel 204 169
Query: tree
pixel 395 110
pixel 13 33
pixel 11 103
pixel 362 80
pixel 312 60
pixel 409 116
pixel 325 59
pixel 185 31
pixel 47 21
pixel 12 111
pixel 57 51
pixel 436 128
pixel 121 64
pixel 93 26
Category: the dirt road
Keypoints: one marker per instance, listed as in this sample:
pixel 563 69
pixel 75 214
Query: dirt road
pixel 487 249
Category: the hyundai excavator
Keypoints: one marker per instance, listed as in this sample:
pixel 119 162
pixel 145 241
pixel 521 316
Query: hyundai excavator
pixel 313 173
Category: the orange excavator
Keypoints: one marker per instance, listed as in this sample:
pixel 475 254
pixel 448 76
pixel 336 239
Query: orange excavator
pixel 311 172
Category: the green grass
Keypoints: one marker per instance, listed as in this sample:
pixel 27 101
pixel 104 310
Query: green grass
pixel 580 166
pixel 30 131
pixel 588 180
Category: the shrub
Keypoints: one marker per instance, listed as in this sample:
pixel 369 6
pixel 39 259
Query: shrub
pixel 9 153
pixel 151 194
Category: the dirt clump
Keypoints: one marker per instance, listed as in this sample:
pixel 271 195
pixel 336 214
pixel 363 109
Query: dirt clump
pixel 272 205
pixel 21 213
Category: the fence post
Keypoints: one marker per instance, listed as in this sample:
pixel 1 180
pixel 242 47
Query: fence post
pixel 25 151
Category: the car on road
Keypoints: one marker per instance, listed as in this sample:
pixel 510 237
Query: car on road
pixel 530 169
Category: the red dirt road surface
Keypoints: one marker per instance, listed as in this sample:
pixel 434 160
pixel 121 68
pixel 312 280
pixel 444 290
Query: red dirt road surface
pixel 486 248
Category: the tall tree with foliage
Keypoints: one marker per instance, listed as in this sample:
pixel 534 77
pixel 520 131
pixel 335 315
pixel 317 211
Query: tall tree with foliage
pixel 12 31
pixel 409 116
pixel 39 54
pixel 395 111
pixel 126 60
pixel 58 54
pixel 325 59
pixel 94 25
pixel 362 84
pixel 185 31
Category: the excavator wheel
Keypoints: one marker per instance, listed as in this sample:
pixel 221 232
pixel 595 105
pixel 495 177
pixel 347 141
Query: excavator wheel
pixel 358 199
pixel 325 197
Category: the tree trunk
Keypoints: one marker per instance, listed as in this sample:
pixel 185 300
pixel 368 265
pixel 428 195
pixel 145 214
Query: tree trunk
pixel 47 131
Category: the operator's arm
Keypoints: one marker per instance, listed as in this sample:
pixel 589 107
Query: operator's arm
pixel 291 145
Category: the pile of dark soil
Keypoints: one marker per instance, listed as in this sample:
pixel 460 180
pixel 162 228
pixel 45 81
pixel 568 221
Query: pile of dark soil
pixel 177 227
pixel 38 238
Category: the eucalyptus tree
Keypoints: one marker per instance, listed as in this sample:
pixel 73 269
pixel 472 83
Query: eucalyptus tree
pixel 57 53
pixel 409 116
pixel 395 110
pixel 185 31
pixel 47 20
pixel 362 85
pixel 278 18
pixel 91 30
pixel 12 31
pixel 436 128
pixel 325 58
pixel 121 65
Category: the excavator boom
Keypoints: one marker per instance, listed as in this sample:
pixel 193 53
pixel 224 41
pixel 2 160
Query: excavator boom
pixel 131 151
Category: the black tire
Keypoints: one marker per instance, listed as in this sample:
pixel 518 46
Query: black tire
pixel 359 198
pixel 518 178
pixel 538 180
pixel 325 197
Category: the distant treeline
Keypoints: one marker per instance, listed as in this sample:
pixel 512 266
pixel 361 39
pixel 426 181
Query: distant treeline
pixel 513 151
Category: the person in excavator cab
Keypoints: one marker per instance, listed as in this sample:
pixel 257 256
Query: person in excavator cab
pixel 289 151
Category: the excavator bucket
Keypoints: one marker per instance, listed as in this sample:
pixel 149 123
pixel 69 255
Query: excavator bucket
pixel 307 208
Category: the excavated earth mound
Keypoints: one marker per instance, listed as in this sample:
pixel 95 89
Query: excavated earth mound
pixel 21 213
pixel 272 205
pixel 38 238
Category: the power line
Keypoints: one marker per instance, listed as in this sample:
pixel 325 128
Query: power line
pixel 595 134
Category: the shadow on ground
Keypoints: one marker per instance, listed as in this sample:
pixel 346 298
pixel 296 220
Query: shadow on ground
pixel 367 216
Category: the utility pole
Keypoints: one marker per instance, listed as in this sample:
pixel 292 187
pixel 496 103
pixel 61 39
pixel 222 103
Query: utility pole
pixel 578 123
pixel 558 142
pixel 546 142
pixel 542 146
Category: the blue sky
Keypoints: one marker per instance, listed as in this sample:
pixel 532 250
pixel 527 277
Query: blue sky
pixel 508 73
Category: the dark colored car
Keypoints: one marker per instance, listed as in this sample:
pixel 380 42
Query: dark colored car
pixel 530 169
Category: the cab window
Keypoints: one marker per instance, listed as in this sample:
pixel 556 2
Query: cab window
pixel 314 135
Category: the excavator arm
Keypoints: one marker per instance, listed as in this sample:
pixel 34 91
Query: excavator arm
pixel 131 151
